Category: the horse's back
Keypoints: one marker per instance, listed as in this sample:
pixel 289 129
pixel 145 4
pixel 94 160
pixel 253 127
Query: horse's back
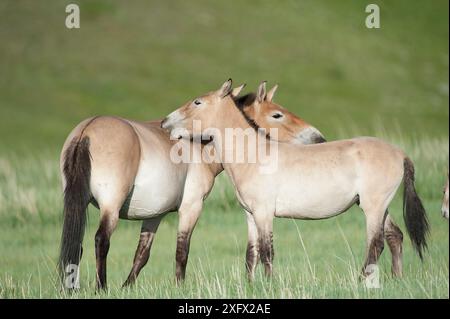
pixel 368 149
pixel 371 158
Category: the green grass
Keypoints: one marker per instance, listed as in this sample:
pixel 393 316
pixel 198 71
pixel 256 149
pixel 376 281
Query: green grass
pixel 144 59
pixel 314 259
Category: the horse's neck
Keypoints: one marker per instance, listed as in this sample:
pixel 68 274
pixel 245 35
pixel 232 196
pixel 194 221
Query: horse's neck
pixel 231 117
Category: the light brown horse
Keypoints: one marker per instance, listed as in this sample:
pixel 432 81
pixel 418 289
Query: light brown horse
pixel 124 168
pixel 267 113
pixel 310 182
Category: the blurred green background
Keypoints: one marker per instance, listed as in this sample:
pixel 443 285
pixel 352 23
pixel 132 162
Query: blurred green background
pixel 142 59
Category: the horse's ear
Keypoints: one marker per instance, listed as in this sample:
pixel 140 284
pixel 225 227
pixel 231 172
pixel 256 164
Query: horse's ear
pixel 235 92
pixel 226 88
pixel 271 93
pixel 261 92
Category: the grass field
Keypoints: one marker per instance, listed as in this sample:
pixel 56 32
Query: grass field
pixel 144 59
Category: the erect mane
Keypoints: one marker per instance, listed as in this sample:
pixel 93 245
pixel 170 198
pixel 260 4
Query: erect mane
pixel 245 101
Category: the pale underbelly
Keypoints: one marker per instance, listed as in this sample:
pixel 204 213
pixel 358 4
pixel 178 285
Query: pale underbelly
pixel 144 204
pixel 152 195
pixel 304 207
pixel 155 192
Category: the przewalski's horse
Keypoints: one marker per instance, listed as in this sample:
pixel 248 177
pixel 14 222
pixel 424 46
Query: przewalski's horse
pixel 124 168
pixel 445 201
pixel 268 114
pixel 311 182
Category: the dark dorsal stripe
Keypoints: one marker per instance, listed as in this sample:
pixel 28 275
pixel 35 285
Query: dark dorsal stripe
pixel 245 101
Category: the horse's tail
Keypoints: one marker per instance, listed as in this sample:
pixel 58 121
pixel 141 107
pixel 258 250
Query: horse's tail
pixel 413 211
pixel 77 173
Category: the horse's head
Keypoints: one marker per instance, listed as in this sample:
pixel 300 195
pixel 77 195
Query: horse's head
pixel 445 200
pixel 268 115
pixel 202 109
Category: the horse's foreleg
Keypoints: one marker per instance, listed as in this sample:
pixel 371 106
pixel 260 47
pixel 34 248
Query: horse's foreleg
pixel 264 224
pixel 252 255
pixel 108 222
pixel 394 238
pixel 188 216
pixel 148 231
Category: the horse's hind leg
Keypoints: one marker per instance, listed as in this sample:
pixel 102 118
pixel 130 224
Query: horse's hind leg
pixel 375 238
pixel 148 231
pixel 394 239
pixel 108 222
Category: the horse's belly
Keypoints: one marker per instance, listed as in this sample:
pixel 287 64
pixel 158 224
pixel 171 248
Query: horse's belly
pixel 309 204
pixel 156 191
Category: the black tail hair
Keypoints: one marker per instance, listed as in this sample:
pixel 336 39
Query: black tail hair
pixel 77 173
pixel 413 211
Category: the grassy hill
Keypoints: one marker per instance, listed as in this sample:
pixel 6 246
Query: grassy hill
pixel 143 60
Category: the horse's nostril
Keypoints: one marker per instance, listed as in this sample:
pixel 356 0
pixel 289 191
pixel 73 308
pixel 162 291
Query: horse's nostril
pixel 163 123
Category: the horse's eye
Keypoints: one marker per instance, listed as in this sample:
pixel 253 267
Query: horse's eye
pixel 277 115
pixel 197 102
